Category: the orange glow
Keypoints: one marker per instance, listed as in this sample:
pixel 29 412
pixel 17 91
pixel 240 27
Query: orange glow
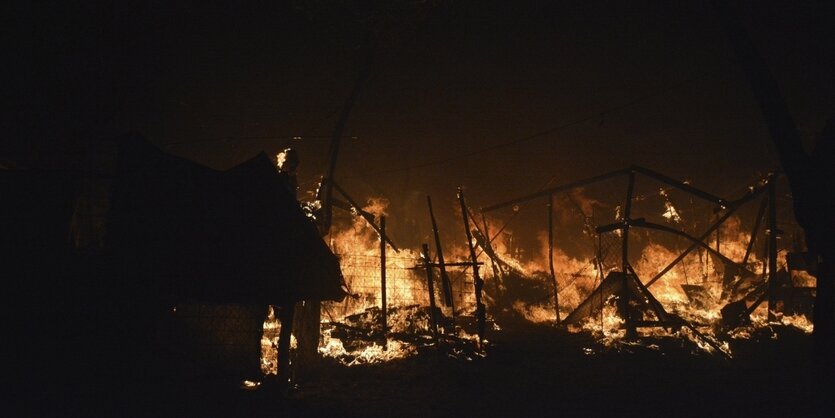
pixel 358 246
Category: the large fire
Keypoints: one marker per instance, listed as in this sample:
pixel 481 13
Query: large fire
pixel 699 271
pixel 695 290
pixel 358 247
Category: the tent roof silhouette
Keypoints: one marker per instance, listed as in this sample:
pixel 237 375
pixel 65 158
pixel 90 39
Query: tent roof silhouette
pixel 182 231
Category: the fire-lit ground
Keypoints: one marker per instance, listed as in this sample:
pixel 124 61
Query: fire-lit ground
pixel 535 370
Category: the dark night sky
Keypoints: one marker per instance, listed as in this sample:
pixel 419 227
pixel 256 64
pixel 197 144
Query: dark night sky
pixel 500 97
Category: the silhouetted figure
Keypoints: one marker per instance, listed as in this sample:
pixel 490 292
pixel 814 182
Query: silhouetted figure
pixel 182 235
pixel 307 312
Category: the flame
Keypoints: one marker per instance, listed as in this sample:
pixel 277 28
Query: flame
pixel 535 313
pixel 358 247
pixel 798 321
pixel 577 277
pixel 670 212
pixel 371 354
pixel 607 326
pixel 802 278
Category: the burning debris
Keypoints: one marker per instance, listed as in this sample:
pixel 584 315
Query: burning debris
pixel 374 325
pixel 702 293
pixel 359 338
pixel 630 290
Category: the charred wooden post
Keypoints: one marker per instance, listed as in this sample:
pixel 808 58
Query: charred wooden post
pixel 384 316
pixel 481 314
pixel 446 284
pixel 772 247
pixel 623 302
pixel 430 282
pixel 551 256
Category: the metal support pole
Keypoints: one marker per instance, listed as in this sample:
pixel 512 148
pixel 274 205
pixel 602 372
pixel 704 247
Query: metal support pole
pixel 339 128
pixel 772 247
pixel 497 275
pixel 599 260
pixel 631 332
pixel 365 215
pixel 481 314
pixel 728 212
pixel 430 282
pixel 757 222
pixel 446 284
pixel 383 308
pixel 551 256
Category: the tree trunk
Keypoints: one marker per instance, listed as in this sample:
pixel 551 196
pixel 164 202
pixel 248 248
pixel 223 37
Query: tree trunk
pixel 810 177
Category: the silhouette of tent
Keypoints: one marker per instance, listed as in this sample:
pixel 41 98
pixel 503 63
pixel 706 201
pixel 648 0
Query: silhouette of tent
pixel 180 231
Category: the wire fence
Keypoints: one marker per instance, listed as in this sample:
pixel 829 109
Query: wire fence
pixel 406 285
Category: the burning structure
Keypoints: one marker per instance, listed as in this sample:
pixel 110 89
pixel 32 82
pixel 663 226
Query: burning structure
pixel 658 270
pixel 395 306
pixel 702 282
pixel 677 265
pixel 707 290
pixel 196 247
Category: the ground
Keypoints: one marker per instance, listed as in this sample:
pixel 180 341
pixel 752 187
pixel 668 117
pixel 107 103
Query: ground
pixel 529 370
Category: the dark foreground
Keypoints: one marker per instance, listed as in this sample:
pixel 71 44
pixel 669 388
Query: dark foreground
pixel 529 371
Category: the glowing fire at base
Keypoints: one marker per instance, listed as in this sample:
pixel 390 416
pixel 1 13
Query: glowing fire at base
pixel 371 354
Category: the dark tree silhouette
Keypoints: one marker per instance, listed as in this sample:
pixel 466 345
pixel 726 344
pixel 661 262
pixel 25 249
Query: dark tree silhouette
pixel 811 176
